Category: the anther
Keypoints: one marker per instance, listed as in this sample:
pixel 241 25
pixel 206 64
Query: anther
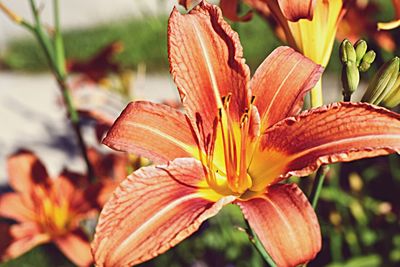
pixel 226 99
pixel 220 113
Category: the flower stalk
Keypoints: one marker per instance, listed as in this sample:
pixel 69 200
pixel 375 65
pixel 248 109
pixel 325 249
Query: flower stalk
pixel 317 186
pixel 258 245
pixel 54 53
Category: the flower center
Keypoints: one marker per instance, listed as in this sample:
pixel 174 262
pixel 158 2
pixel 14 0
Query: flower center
pixel 53 212
pixel 228 160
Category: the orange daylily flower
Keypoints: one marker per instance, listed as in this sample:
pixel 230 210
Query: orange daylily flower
pixel 235 142
pixel 45 210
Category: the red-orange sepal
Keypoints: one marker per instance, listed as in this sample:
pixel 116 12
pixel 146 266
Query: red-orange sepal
pixel 153 210
pixel 285 223
pixel 155 131
pixel 206 64
pixel 294 10
pixel 280 84
pixel 339 132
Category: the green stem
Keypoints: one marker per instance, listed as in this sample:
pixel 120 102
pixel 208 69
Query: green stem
pixel 316 99
pixel 58 40
pixel 259 246
pixel 317 186
pixel 56 60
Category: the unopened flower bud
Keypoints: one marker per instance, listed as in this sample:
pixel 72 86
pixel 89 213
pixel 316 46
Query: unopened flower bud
pixel 361 49
pixel 347 52
pixel 367 60
pixel 392 99
pixel 350 78
pixel 382 82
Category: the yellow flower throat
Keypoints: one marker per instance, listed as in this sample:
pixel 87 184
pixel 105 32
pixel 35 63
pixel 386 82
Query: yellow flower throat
pixel 229 157
pixel 53 213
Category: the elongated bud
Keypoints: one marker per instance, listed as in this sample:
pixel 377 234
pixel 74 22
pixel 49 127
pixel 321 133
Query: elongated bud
pixel 382 82
pixel 367 60
pixel 347 52
pixel 392 99
pixel 350 78
pixel 361 49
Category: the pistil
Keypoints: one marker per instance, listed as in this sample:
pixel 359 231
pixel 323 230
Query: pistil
pixel 234 153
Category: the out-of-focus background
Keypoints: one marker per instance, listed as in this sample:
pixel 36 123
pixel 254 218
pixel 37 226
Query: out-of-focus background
pixel 359 214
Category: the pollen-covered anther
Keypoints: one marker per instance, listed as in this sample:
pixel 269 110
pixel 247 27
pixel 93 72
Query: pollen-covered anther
pixel 253 99
pixel 226 100
pixel 244 118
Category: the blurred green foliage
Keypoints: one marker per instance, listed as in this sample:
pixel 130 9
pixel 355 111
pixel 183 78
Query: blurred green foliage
pixel 43 256
pixel 145 41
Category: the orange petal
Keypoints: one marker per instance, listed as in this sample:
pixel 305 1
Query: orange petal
pixel 15 206
pixel 23 237
pixel 260 6
pixel 154 131
pixel 67 188
pixel 6 239
pixel 297 9
pixel 230 10
pixel 188 4
pixel 25 170
pixel 285 223
pixel 101 105
pixel 76 248
pixel 339 132
pixel 396 5
pixel 206 64
pixel 280 84
pixel 108 166
pixel 152 210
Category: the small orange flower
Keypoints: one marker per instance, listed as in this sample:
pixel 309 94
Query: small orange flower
pixel 234 144
pixel 45 210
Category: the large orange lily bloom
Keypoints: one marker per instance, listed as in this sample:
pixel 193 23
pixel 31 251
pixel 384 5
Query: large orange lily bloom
pixel 235 142
pixel 46 210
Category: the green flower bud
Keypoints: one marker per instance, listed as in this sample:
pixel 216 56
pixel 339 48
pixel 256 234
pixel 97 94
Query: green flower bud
pixel 367 60
pixel 347 52
pixel 382 82
pixel 392 99
pixel 361 49
pixel 350 78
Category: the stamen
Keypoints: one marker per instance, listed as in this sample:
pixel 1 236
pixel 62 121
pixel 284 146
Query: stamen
pixel 234 153
pixel 227 154
pixel 253 98
pixel 244 130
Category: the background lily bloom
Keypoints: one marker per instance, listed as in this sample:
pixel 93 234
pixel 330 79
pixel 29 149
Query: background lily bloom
pixel 360 22
pixel 235 142
pixel 309 26
pixel 46 210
